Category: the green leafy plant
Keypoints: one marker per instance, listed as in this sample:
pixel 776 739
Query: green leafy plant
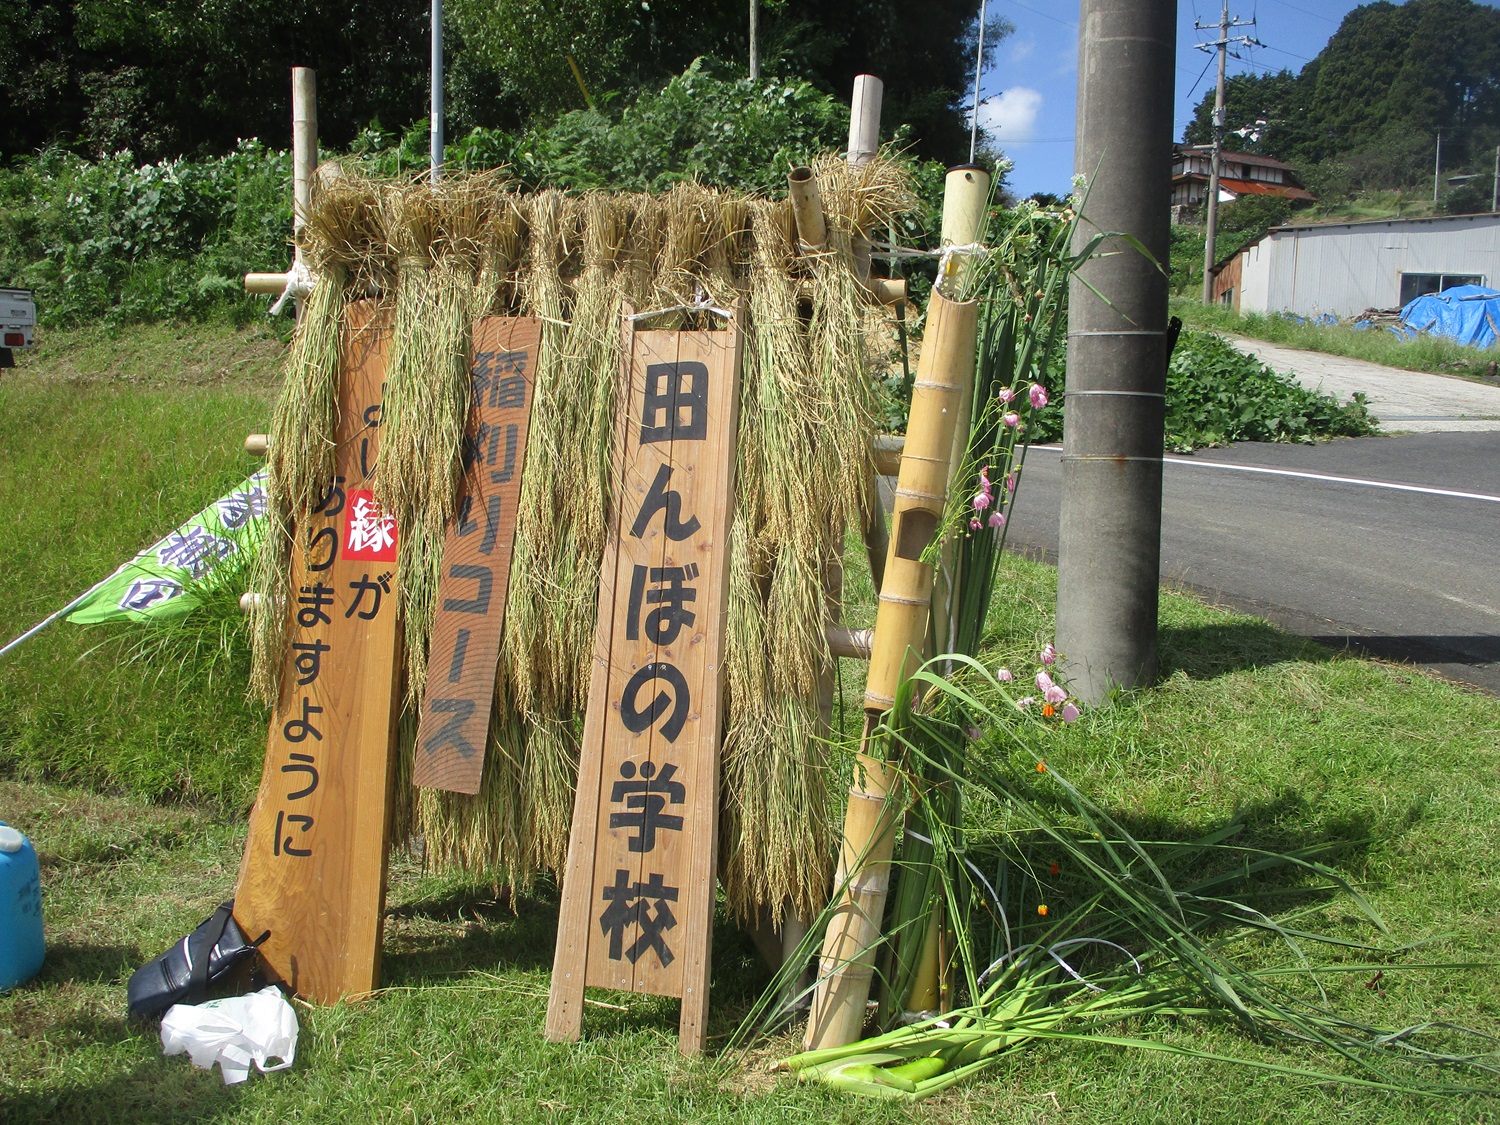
pixel 1217 395
pixel 1086 933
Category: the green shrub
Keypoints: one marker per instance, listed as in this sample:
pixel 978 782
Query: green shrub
pixel 118 243
pixel 1216 395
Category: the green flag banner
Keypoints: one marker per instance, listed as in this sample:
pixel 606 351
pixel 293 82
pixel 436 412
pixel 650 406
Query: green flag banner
pixel 161 580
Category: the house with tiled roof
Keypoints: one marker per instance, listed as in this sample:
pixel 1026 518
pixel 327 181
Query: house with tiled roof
pixel 1240 173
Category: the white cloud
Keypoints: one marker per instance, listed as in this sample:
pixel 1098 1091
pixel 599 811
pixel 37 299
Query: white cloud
pixel 1022 49
pixel 1011 114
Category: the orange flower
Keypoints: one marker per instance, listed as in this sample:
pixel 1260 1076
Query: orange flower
pixel 1041 767
pixel 1049 710
pixel 1042 910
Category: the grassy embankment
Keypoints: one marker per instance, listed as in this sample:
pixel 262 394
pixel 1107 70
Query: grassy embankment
pixel 1376 345
pixel 134 782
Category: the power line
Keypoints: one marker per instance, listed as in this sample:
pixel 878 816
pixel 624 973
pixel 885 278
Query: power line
pixel 1305 12
pixel 1045 15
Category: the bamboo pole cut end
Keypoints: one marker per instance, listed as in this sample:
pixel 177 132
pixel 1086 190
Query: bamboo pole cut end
pixel 257 445
pixel 807 208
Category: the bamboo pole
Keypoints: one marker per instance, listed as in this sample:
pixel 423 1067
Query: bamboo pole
pixel 304 147
pixel 864 119
pixel 807 208
pixel 966 194
pixel 945 374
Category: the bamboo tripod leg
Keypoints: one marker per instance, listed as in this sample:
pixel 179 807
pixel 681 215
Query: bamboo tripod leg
pixel 944 380
pixel 847 966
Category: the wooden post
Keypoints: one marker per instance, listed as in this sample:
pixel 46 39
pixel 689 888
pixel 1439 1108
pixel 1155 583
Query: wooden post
pixel 945 374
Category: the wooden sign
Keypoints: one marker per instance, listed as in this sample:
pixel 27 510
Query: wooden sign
pixel 475 579
pixel 638 893
pixel 313 872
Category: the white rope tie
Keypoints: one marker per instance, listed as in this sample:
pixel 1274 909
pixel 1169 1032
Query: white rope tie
pixel 299 283
pixel 700 303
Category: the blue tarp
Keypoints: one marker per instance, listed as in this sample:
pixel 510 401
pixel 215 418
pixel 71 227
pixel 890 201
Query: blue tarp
pixel 1467 314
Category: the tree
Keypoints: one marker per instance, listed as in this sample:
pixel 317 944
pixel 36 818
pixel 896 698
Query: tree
pixel 924 53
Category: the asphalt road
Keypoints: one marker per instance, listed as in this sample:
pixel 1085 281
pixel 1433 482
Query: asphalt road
pixel 1409 573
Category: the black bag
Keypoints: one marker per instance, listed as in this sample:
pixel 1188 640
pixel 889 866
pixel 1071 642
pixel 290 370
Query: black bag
pixel 183 973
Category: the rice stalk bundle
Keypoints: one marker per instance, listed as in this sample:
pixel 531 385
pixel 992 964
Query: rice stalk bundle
pixel 482 834
pixel 529 652
pixel 449 254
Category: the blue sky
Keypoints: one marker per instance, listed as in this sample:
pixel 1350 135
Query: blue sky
pixel 1031 87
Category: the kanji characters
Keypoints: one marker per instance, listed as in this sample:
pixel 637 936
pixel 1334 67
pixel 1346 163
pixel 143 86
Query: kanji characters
pixel 645 798
pixel 144 593
pixel 631 904
pixel 194 549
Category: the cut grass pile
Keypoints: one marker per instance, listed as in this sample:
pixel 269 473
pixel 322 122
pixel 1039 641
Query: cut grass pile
pixel 135 797
pixel 1375 345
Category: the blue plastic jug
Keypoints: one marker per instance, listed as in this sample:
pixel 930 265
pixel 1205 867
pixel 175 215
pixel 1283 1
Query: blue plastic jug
pixel 21 947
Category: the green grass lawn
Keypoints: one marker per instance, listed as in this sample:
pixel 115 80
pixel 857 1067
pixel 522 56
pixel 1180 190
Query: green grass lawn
pixel 133 781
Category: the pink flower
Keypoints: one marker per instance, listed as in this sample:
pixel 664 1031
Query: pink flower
pixel 1011 419
pixel 997 520
pixel 1054 694
pixel 1010 482
pixel 973 734
pixel 1003 675
pixel 980 502
pixel 1069 713
pixel 1049 654
pixel 1007 396
pixel 1038 395
pixel 1044 682
pixel 1022 704
pixel 974 524
pixel 984 479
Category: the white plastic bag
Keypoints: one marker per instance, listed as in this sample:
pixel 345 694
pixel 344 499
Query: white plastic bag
pixel 234 1032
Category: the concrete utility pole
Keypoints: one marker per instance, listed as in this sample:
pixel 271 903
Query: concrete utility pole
pixel 436 152
pixel 1221 44
pixel 1437 166
pixel 1110 543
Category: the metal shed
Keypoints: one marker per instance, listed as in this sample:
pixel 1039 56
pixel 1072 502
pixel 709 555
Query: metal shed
pixel 1345 268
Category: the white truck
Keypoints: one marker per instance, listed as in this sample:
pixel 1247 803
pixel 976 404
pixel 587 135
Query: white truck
pixel 17 323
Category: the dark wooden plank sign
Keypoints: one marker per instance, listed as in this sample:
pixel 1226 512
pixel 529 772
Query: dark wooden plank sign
pixel 475 580
pixel 638 892
pixel 314 866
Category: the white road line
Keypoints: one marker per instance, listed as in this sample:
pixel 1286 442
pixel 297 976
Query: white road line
pixel 1336 480
pixel 1316 476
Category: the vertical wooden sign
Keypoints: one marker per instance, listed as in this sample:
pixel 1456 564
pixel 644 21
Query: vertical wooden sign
pixel 313 872
pixel 638 893
pixel 475 579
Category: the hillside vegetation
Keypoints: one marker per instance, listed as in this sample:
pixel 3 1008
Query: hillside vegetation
pixel 1363 116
